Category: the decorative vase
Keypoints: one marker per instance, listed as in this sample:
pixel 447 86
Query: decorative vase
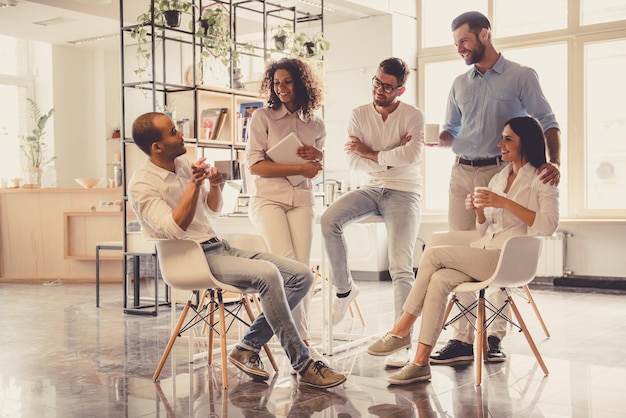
pixel 33 177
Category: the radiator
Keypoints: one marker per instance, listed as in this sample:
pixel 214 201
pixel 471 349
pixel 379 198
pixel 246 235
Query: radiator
pixel 552 261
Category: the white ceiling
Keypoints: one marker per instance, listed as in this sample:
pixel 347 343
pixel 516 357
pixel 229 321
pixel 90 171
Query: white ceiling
pixel 74 20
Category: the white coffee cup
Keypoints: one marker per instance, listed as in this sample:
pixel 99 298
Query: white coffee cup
pixel 431 133
pixel 479 195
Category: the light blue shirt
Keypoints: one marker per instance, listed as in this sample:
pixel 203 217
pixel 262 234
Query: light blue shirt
pixel 480 104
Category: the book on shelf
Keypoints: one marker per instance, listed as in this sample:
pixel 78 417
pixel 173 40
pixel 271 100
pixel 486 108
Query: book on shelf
pixel 245 113
pixel 211 123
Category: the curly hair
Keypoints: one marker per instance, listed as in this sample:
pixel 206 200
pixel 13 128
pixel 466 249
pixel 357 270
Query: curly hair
pixel 307 87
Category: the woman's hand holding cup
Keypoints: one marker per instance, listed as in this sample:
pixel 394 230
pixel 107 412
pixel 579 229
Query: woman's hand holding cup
pixel 481 196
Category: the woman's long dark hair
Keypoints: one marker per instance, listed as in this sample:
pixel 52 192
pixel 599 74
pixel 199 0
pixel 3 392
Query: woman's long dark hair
pixel 532 140
pixel 306 85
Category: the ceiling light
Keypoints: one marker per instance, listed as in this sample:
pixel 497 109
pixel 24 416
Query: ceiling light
pixel 94 39
pixel 53 21
pixel 6 3
pixel 93 1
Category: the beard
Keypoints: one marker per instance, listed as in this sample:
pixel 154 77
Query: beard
pixel 476 54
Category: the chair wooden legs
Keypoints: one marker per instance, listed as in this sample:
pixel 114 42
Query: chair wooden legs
pixel 170 343
pixel 531 300
pixel 530 340
pixel 223 345
pixel 480 338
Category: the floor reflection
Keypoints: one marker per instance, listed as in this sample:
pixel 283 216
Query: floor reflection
pixel 65 358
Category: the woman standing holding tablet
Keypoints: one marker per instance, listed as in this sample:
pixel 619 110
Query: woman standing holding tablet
pixel 283 212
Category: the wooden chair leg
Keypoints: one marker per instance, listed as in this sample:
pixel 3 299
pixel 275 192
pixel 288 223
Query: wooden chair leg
pixel 268 352
pixel 223 345
pixel 534 305
pixel 357 307
pixel 213 305
pixel 530 340
pixel 480 322
pixel 448 309
pixel 172 340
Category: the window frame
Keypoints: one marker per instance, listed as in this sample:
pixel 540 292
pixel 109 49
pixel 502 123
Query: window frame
pixel 576 36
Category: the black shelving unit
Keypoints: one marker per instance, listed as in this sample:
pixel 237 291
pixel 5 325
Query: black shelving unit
pixel 162 83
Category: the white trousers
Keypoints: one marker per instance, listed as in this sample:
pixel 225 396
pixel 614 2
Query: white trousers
pixel 288 232
pixel 441 269
pixel 463 179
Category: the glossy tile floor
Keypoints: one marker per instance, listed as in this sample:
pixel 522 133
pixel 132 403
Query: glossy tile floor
pixel 62 357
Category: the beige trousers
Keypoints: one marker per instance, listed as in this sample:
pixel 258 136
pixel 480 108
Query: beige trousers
pixel 441 270
pixel 288 232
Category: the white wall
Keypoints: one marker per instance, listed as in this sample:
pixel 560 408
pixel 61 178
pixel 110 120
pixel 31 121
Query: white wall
pixel 356 49
pixel 87 108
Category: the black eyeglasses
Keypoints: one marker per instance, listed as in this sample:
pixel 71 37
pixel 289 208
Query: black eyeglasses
pixel 387 88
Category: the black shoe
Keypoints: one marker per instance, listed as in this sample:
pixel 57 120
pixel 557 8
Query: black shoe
pixel 454 351
pixel 495 353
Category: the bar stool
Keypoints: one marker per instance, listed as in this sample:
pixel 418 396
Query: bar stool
pixel 107 245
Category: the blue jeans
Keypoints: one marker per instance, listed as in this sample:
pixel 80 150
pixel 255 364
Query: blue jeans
pixel 401 214
pixel 281 283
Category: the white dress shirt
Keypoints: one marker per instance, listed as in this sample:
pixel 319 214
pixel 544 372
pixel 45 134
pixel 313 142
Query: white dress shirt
pixel 153 194
pixel 527 190
pixel 267 128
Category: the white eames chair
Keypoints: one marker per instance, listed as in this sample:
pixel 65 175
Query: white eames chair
pixel 184 267
pixel 516 267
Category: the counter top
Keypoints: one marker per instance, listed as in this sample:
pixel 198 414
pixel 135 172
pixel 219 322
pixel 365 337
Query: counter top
pixel 61 190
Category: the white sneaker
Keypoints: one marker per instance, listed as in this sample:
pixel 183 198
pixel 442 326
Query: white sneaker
pixel 397 359
pixel 341 305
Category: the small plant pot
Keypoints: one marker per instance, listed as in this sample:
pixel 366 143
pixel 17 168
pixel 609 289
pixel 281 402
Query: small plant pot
pixel 172 18
pixel 280 42
pixel 204 24
pixel 309 47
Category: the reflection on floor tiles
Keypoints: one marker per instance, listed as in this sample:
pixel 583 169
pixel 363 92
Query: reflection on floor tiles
pixel 62 357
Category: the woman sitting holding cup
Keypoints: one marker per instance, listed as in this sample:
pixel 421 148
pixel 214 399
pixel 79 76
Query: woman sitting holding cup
pixel 516 203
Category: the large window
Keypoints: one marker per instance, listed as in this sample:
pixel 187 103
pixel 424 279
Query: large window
pixel 580 61
pixel 15 87
pixel 605 125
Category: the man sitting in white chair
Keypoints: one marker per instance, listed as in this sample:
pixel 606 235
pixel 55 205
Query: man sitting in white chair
pixel 172 200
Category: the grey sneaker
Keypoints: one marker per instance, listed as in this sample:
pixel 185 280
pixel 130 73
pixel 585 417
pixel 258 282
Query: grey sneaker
pixel 341 305
pixel 316 374
pixel 249 362
pixel 316 356
pixel 389 344
pixel 397 359
pixel 453 351
pixel 495 353
pixel 410 373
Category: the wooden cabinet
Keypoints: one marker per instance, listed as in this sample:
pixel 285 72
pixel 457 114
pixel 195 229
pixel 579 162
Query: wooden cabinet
pixel 83 230
pixel 33 227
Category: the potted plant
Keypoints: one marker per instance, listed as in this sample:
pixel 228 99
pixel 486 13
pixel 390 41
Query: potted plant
pixel 173 10
pixel 33 147
pixel 214 30
pixel 313 47
pixel 282 35
pixel 165 12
